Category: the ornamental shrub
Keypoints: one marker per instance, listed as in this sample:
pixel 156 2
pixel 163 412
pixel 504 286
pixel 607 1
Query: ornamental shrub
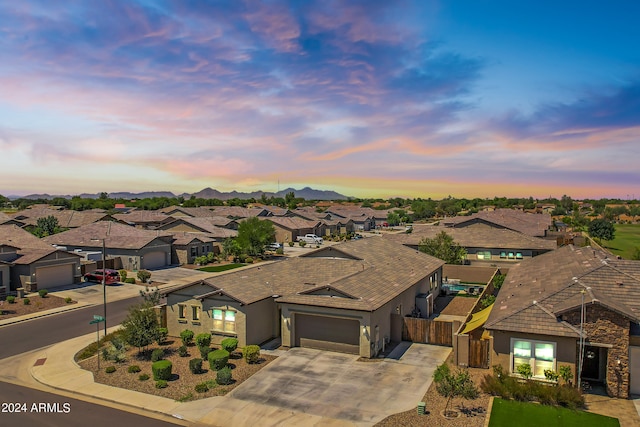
pixel 203 340
pixel 251 353
pixel 130 280
pixel 566 374
pixel 186 336
pixel 68 300
pixel 551 375
pixel 110 369
pixel 43 293
pixel 134 369
pixel 123 275
pixel 11 299
pixel 223 376
pixel 302 243
pixel 195 366
pixel 204 351
pixel 229 344
pixel 163 333
pixel 525 370
pixel 144 276
pixel 202 388
pixel 182 351
pixel 26 301
pixel 248 260
pixel 143 377
pixel 161 384
pixel 218 359
pixel 291 244
pixel 162 369
pixel 157 354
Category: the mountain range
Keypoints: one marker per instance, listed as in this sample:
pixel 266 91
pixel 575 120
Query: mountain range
pixel 306 193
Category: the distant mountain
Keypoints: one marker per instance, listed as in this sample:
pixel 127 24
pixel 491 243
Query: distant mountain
pixel 208 193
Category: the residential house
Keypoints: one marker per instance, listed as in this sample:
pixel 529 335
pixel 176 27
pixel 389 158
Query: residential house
pixel 150 220
pixel 364 219
pixel 238 212
pixel 534 225
pixel 187 246
pixel 66 218
pixel 483 243
pixel 289 228
pixel 575 307
pixel 135 248
pixel 338 298
pixel 219 226
pixel 28 262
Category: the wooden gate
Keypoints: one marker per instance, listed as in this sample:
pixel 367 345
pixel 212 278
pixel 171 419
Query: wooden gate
pixel 479 354
pixel 427 331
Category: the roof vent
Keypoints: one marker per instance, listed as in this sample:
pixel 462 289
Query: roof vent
pixel 620 284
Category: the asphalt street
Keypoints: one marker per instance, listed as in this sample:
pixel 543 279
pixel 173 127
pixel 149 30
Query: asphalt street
pixel 26 407
pixel 44 331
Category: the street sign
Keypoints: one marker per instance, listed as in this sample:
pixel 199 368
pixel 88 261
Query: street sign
pixel 96 319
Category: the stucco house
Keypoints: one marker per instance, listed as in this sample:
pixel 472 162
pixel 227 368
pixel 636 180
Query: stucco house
pixel 338 298
pixel 484 244
pixel 28 262
pixel 135 247
pixel 289 228
pixel 573 302
pixel 534 225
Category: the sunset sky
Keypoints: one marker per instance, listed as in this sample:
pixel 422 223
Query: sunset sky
pixel 368 98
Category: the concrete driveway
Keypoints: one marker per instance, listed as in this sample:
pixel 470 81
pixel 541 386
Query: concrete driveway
pixel 339 386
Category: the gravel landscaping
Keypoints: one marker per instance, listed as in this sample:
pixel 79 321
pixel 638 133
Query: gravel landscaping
pixel 36 304
pixel 182 384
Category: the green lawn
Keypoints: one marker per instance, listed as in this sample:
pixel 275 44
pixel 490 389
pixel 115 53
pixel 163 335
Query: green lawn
pixel 522 414
pixel 218 268
pixel 627 238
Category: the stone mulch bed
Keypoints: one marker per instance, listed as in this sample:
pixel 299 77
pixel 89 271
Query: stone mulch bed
pixel 473 416
pixel 182 385
pixel 36 304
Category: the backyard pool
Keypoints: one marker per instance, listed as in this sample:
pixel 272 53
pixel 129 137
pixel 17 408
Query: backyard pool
pixel 454 289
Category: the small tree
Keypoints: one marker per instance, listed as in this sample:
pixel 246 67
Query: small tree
pixel 140 327
pixel 443 247
pixel 601 229
pixel 151 297
pixel 450 385
pixel 565 373
pixel 144 276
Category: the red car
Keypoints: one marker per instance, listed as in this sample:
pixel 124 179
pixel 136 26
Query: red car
pixel 111 277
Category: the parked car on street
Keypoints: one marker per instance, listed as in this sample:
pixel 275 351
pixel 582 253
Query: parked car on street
pixel 112 276
pixel 275 246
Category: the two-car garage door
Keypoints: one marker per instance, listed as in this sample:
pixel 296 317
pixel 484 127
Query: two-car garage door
pixel 327 333
pixel 51 277
pixel 154 260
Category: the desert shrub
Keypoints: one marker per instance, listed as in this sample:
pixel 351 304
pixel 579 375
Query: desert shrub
pixel 251 353
pixel 186 336
pixel 204 351
pixel 43 293
pixel 291 244
pixel 162 369
pixel 133 369
pixel 161 384
pixel 525 370
pixel 302 243
pixel 211 384
pixel 570 397
pixel 229 344
pixel 143 377
pixel 110 369
pixel 123 275
pixel 68 300
pixel 11 299
pixel 182 351
pixel 203 340
pixel 163 333
pixel 218 359
pixel 223 376
pixel 248 260
pixel 202 388
pixel 195 366
pixel 144 276
pixel 157 354
pixel 487 300
pixel 280 251
pixel 115 351
pixel 130 280
pixel 26 301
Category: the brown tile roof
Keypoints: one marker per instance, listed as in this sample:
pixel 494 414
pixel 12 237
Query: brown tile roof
pixel 184 238
pixel 140 216
pixel 292 223
pixel 30 247
pixel 214 225
pixel 371 271
pixel 66 218
pixel 176 211
pixel 475 236
pixel 116 235
pixel 238 211
pixel 468 273
pixel 554 282
pixel 530 224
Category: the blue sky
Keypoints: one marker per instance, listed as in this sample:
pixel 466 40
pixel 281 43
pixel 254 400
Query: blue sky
pixel 368 98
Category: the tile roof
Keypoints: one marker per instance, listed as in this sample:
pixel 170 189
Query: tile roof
pixel 66 218
pixel 116 235
pixel 193 211
pixel 468 273
pixel 140 216
pixel 530 224
pixel 292 222
pixel 182 238
pixel 475 236
pixel 557 281
pixel 30 247
pixel 239 211
pixel 214 225
pixel 368 273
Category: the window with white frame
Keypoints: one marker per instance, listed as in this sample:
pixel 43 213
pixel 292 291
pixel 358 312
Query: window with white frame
pixel 224 320
pixel 540 355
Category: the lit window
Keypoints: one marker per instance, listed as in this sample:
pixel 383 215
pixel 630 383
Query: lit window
pixel 229 321
pixel 195 311
pixel 511 256
pixel 539 355
pixel 503 254
pixel 218 320
pixel 518 255
pixel 483 254
pixel 224 320
pixel 182 311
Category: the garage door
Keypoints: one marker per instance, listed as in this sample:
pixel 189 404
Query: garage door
pixel 154 260
pixel 327 333
pixel 634 370
pixel 51 277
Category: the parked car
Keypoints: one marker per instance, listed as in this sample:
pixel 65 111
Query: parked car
pixel 275 246
pixel 112 276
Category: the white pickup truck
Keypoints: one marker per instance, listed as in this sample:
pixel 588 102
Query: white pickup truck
pixel 311 239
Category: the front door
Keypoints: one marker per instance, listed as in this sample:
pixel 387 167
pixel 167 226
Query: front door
pixel 591 363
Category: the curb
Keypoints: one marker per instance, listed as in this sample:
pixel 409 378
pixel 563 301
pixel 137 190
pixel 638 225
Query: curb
pixel 28 317
pixel 488 415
